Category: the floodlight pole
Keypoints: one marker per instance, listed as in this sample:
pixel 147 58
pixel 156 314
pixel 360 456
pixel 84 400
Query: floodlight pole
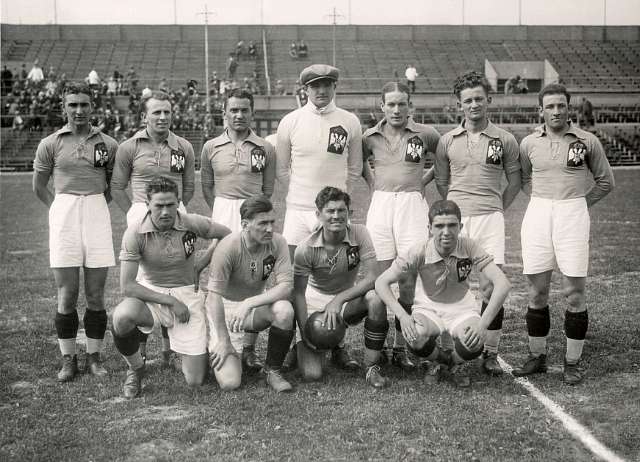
pixel 334 17
pixel 206 14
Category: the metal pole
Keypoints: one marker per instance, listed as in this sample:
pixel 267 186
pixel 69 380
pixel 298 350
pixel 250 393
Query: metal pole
pixel 175 12
pixel 463 12
pixel 55 11
pixel 206 60
pixel 519 12
pixel 334 36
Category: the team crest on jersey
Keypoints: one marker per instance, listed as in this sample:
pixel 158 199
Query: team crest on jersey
pixel 177 161
pixel 100 155
pixel 337 140
pixel 577 151
pixel 463 266
pixel 258 157
pixel 267 267
pixel 189 243
pixel 415 149
pixel 494 152
pixel 353 257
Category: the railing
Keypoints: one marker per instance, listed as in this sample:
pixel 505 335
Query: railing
pixel 266 62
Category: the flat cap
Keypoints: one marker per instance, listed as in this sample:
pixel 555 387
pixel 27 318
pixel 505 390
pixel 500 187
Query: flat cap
pixel 318 72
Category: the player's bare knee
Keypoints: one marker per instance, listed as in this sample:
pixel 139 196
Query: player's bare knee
pixel 95 299
pixel 194 379
pixel 282 314
pixel 425 327
pixel 228 383
pixel 575 298
pixel 423 346
pixel 377 311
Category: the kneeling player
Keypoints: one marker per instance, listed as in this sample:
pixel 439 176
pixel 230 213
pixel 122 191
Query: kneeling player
pixel 325 271
pixel 238 274
pixel 163 245
pixel 443 301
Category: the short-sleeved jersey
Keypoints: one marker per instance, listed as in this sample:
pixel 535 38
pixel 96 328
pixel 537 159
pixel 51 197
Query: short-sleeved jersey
pixel 332 274
pixel 399 168
pixel 237 273
pixel 166 257
pixel 81 169
pixel 318 148
pixel 474 172
pixel 137 160
pixel 444 280
pixel 560 170
pixel 238 171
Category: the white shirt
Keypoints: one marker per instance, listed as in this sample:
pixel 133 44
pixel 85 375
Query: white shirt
pixel 411 73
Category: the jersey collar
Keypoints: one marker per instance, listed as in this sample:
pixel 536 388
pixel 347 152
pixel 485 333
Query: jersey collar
pixel 316 238
pixel 431 255
pixel 147 226
pixel 490 130
pixel 541 131
pixel 223 139
pixel 172 139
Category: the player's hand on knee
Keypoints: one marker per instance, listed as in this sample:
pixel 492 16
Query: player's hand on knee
pixel 219 353
pixel 474 336
pixel 236 320
pixel 180 310
pixel 408 326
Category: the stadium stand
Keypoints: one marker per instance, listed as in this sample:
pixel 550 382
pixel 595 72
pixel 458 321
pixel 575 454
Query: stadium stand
pixel 586 61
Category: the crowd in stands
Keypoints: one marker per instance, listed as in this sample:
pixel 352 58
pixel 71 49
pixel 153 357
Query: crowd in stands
pixel 298 50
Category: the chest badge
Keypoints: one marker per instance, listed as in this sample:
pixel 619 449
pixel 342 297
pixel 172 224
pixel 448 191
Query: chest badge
pixel 463 267
pixel 267 267
pixel 577 153
pixel 258 157
pixel 177 161
pixel 415 150
pixel 495 150
pixel 100 155
pixel 189 243
pixel 353 257
pixel 337 140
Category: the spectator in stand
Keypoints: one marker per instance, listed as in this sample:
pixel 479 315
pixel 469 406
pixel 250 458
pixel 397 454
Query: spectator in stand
pixel 279 88
pixel 23 72
pixel 35 76
pixel 131 82
pixel 93 79
pixel 232 66
pixel 7 80
pixel 293 50
pixel 51 73
pixel 411 74
pixel 522 87
pixel 112 87
pixel 117 76
pixel 252 51
pixel 301 94
pixel 302 49
pixel 511 85
pixel 215 83
pixel 163 85
pixel 586 119
pixel 239 49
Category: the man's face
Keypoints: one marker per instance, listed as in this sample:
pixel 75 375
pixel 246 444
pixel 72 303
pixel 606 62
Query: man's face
pixel 474 103
pixel 157 116
pixel 238 114
pixel 260 227
pixel 164 208
pixel 334 216
pixel 396 108
pixel 555 111
pixel 77 107
pixel 321 92
pixel 445 230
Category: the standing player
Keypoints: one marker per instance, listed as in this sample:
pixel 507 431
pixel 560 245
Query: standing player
pixel 471 162
pixel 235 166
pixel 163 244
pixel 80 158
pixel 237 298
pixel 558 160
pixel 443 302
pixel 318 145
pixel 325 271
pixel 398 212
pixel 156 150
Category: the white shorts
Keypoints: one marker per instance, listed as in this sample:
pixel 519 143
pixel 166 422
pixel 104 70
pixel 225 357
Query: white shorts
pixel 237 338
pixel 227 213
pixel 317 301
pixel 396 221
pixel 488 231
pixel 447 316
pixel 138 210
pixel 188 338
pixel 556 232
pixel 80 232
pixel 298 225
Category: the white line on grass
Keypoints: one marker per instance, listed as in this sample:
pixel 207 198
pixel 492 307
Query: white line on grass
pixel 575 428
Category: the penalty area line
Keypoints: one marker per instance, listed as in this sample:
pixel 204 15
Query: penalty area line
pixel 575 428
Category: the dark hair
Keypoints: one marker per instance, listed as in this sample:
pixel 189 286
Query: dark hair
pixel 255 205
pixel 395 86
pixel 156 94
pixel 471 79
pixel 554 89
pixel 240 94
pixel 328 194
pixel 76 88
pixel 161 184
pixel 444 207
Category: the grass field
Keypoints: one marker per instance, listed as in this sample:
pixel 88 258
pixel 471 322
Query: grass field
pixel 340 418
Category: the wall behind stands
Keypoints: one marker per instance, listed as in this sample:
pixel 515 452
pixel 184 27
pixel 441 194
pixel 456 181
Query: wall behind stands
pixel 127 33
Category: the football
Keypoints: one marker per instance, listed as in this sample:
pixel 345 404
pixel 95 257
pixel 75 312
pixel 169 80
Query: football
pixel 319 336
